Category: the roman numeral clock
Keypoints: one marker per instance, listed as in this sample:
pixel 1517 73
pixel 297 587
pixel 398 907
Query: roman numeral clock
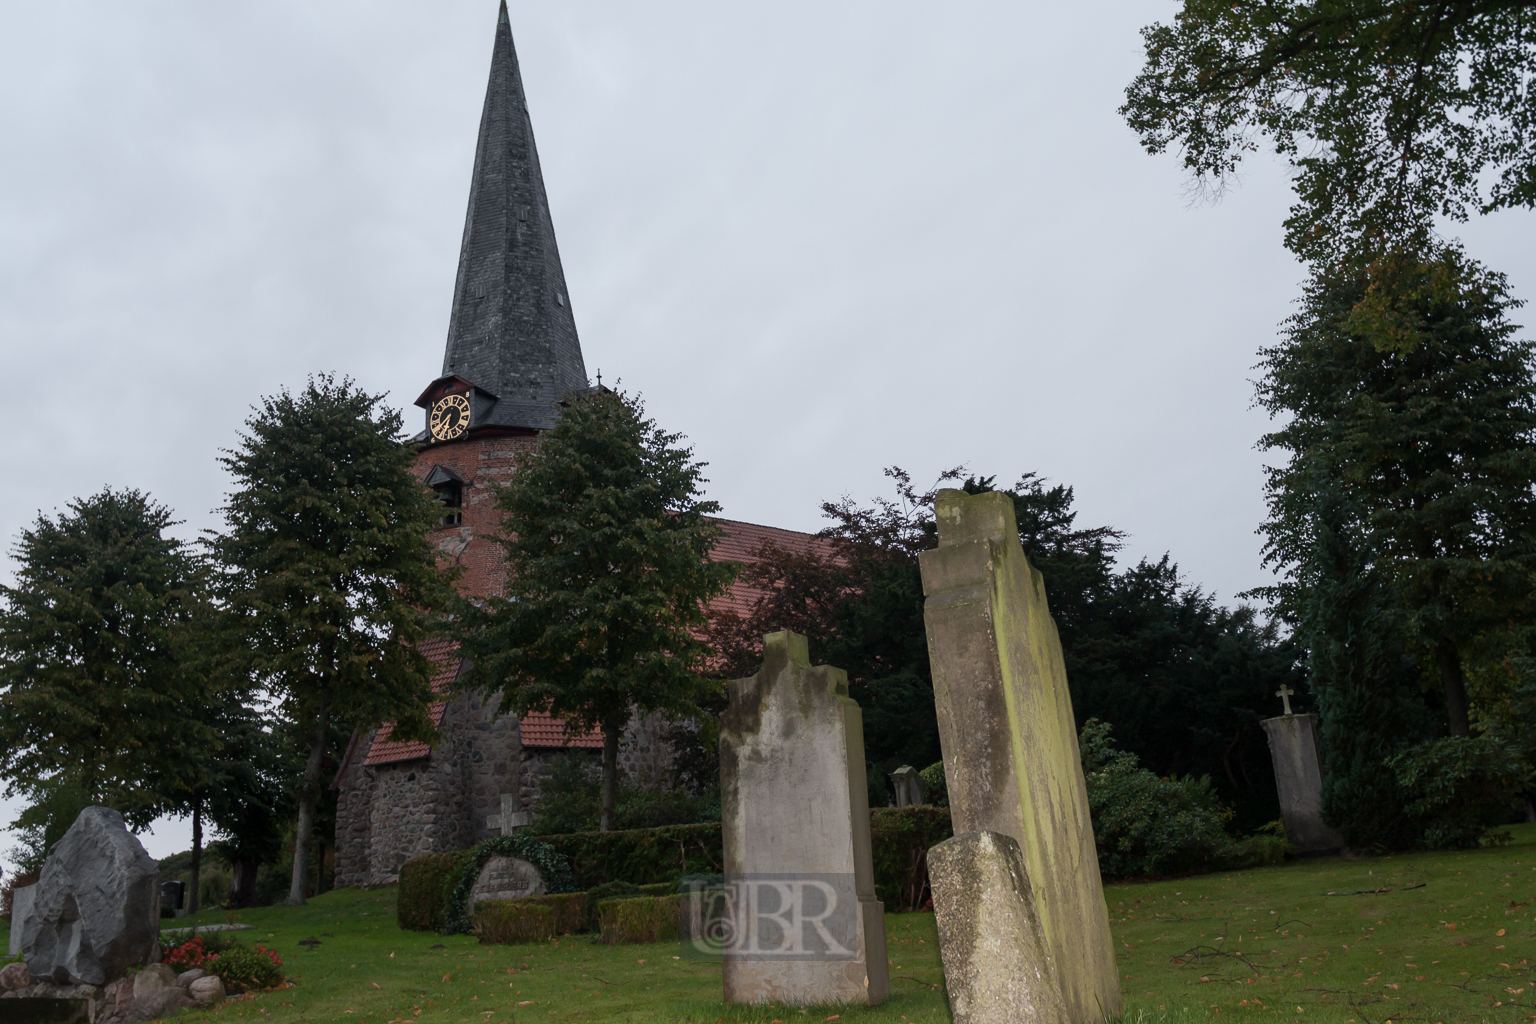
pixel 454 406
pixel 450 417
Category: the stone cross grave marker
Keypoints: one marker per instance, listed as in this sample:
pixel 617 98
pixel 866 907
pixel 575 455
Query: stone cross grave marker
pixel 805 926
pixel 1285 693
pixel 510 819
pixel 1293 748
pixel 1011 761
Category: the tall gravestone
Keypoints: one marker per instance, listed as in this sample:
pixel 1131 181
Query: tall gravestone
pixel 1011 760
pixel 1293 748
pixel 805 926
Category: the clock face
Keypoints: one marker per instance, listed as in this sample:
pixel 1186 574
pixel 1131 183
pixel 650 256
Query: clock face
pixel 450 417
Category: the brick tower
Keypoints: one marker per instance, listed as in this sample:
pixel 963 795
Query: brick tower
pixel 512 356
pixel 512 352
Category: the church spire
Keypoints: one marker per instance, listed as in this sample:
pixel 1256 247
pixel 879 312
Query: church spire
pixel 511 332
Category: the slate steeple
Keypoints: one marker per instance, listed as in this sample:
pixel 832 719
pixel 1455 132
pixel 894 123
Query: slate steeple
pixel 511 333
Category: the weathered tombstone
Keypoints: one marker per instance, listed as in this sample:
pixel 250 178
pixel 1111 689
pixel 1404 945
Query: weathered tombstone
pixel 995 961
pixel 173 894
pixel 21 905
pixel 907 786
pixel 96 908
pixel 805 925
pixel 1011 761
pixel 1299 778
pixel 510 819
pixel 506 878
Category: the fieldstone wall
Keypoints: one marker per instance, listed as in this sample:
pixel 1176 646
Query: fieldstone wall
pixel 386 814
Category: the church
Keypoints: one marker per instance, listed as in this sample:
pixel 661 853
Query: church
pixel 512 355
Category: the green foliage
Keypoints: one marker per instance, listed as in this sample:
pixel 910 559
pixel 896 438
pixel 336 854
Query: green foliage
pixel 551 865
pixel 330 581
pixel 934 786
pixel 570 800
pixel 639 919
pixel 57 803
pixel 1461 787
pixel 529 919
pixel 899 842
pixel 641 856
pixel 1146 825
pixel 606 546
pixel 247 970
pixel 1392 115
pixel 1184 681
pixel 1267 847
pixel 426 885
pixel 95 686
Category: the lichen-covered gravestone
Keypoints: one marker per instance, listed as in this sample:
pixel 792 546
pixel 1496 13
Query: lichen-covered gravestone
pixel 96 908
pixel 506 878
pixel 805 926
pixel 1011 761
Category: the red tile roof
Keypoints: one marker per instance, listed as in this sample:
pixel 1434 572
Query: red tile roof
pixel 740 543
pixel 541 729
pixel 443 654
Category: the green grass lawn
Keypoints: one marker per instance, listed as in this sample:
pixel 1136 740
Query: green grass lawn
pixel 1365 940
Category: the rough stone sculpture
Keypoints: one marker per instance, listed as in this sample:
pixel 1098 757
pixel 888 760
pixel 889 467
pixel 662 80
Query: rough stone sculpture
pixel 506 878
pixel 806 925
pixel 995 963
pixel 96 909
pixel 1011 761
pixel 1299 778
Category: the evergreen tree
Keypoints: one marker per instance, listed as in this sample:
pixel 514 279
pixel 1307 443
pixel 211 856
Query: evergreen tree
pixel 607 546
pixel 329 577
pixel 1182 679
pixel 1425 460
pixel 95 686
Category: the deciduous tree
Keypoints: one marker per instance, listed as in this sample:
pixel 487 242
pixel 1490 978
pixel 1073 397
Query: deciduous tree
pixel 330 580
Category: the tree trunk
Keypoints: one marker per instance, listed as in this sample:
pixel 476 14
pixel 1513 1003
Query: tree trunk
pixel 610 775
pixel 1448 659
pixel 307 800
pixel 197 853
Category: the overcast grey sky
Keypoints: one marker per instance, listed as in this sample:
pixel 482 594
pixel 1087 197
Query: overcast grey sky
pixel 820 239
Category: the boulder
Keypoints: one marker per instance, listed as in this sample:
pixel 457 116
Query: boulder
pixel 186 978
pixel 162 1002
pixel 119 996
pixel 14 976
pixel 153 977
pixel 207 990
pixel 96 908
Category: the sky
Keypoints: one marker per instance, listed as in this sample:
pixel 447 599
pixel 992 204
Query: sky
pixel 818 239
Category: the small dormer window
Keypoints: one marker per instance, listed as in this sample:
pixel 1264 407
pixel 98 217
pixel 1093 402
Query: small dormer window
pixel 448 486
pixel 451 494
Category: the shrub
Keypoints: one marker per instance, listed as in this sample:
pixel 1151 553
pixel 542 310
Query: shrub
pixel 192 953
pixel 1269 846
pixel 1145 825
pixel 1460 787
pixel 933 784
pixel 426 882
pixel 639 919
pixel 242 969
pixel 552 868
pixel 523 920
pixel 641 856
pixel 899 842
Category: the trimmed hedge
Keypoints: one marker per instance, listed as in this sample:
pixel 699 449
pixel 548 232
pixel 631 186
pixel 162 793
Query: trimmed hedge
pixel 421 903
pixel 899 839
pixel 502 922
pixel 642 855
pixel 639 919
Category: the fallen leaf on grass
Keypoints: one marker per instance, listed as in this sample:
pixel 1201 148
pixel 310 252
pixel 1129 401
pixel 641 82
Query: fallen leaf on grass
pixel 375 984
pixel 835 1016
pixel 526 1002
